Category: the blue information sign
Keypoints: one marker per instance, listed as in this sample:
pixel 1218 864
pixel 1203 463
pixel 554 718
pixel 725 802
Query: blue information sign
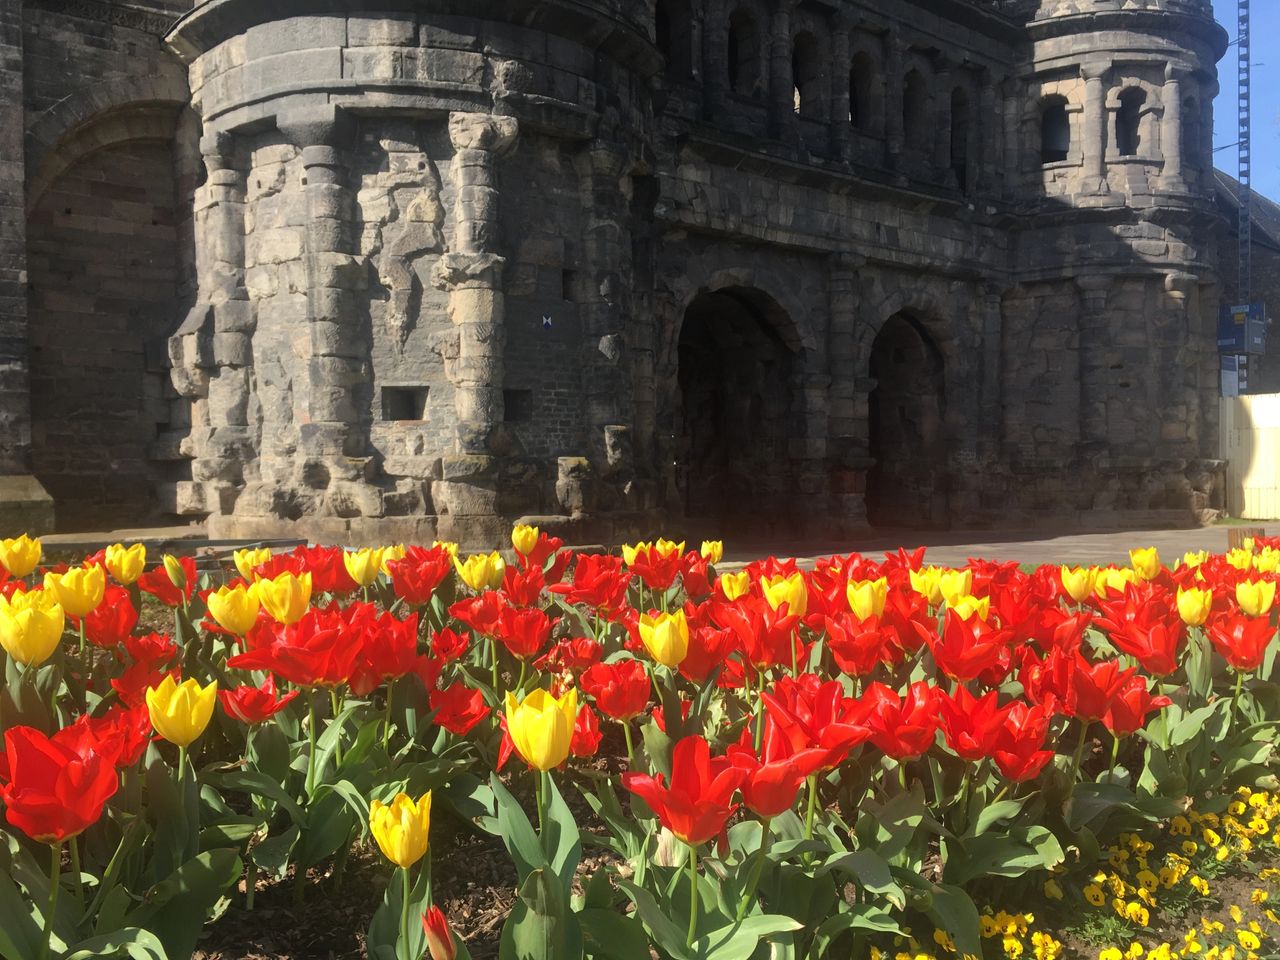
pixel 1242 328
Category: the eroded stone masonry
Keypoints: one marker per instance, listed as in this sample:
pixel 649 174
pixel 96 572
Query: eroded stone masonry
pixel 418 268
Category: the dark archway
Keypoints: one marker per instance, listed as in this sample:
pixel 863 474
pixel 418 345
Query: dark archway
pixel 737 361
pixel 907 485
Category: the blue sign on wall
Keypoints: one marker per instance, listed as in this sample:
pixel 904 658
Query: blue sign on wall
pixel 1242 328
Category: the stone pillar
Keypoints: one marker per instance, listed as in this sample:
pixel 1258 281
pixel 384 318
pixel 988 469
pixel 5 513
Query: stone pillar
pixel 715 58
pixel 1095 342
pixel 782 87
pixel 604 296
pixel 990 421
pixel 1094 138
pixel 471 273
pixel 895 51
pixel 24 504
pixel 1171 131
pixel 1014 167
pixel 846 451
pixel 989 132
pixel 841 64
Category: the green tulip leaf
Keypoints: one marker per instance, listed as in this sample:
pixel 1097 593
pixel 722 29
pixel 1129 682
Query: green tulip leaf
pixel 175 909
pixel 132 941
pixel 516 831
pixel 608 935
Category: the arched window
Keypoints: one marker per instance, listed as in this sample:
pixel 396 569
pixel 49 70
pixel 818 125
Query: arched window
pixel 1055 130
pixel 1128 120
pixel 673 33
pixel 807 75
pixel 960 135
pixel 743 54
pixel 915 110
pixel 864 95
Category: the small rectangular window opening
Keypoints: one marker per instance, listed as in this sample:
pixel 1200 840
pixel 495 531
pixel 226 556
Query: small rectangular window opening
pixel 568 279
pixel 517 406
pixel 404 403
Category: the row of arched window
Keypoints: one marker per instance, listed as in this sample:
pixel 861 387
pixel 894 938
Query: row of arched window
pixel 1126 130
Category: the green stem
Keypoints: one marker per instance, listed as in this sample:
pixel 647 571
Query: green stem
pixel 82 636
pixel 336 706
pixel 631 752
pixel 813 806
pixel 250 884
pixel 524 665
pixel 693 895
pixel 75 872
pixel 493 651
pixel 55 881
pixel 386 723
pixel 1079 754
pixel 795 672
pixel 1115 752
pixel 404 911
pixel 182 765
pixel 754 883
pixel 1000 796
pixel 759 709
pixel 1235 697
pixel 311 736
pixel 537 798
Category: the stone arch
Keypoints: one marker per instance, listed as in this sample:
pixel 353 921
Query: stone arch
pixel 916 130
pixel 1134 110
pixel 809 74
pixel 745 48
pixel 866 93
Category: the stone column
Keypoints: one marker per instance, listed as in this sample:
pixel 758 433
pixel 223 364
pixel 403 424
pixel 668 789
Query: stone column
pixel 1014 167
pixel 24 504
pixel 604 296
pixel 1171 131
pixel 990 133
pixel 715 58
pixel 471 273
pixel 990 422
pixel 841 64
pixel 1095 341
pixel 895 51
pixel 332 407
pixel 846 452
pixel 782 87
pixel 1094 138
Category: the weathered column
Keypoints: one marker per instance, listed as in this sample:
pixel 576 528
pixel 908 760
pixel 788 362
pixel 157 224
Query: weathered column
pixel 1094 138
pixel 24 503
pixel 841 64
pixel 940 120
pixel 715 58
pixel 846 451
pixel 1014 166
pixel 990 421
pixel 1171 131
pixel 989 132
pixel 1095 340
pixel 895 51
pixel 782 86
pixel 331 408
pixel 471 273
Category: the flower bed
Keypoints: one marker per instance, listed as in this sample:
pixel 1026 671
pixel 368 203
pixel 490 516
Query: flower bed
pixel 872 758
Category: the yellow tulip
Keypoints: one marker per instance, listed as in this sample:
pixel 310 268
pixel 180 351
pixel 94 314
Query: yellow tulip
pixel 363 565
pixel 1078 582
pixel 1194 605
pixel 1240 559
pixel 1113 580
pixel 1146 561
pixel 30 626
pixel 955 583
pixel 928 583
pixel 177 576
pixel 629 551
pixel 20 555
pixel 481 572
pixel 248 559
pixel 734 585
pixel 402 828
pixel 665 548
pixel 867 597
pixel 541 726
pixel 235 608
pixel 789 590
pixel 286 596
pixel 967 607
pixel 79 590
pixel 126 563
pixel 1256 596
pixel 449 546
pixel 1268 561
pixel 712 551
pixel 665 636
pixel 180 712
pixel 390 554
pixel 524 538
pixel 1194 558
pixel 1247 543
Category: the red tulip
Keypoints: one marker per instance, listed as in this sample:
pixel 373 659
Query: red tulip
pixel 151 650
pixel 968 648
pixel 902 727
pixel 415 576
pixel 1094 686
pixel 158 584
pixel 523 632
pixel 481 613
pixel 969 723
pixel 696 805
pixel 254 704
pixel 660 718
pixel 598 582
pixel 1155 645
pixel 657 570
pixel 132 685
pixel 1129 708
pixel 765 637
pixel 859 646
pixel 112 620
pixel 317 651
pixel 621 689
pixel 439 937
pixel 523 588
pixel 694 572
pixel 571 655
pixel 1019 751
pixel 708 648
pixel 448 646
pixel 1242 640
pixel 813 714
pixel 120 735
pixel 388 647
pixel 457 708
pixel 586 733
pixel 774 775
pixel 53 791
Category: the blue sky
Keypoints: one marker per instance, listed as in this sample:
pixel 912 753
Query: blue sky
pixel 1265 22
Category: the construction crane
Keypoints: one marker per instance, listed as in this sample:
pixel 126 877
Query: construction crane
pixel 1245 229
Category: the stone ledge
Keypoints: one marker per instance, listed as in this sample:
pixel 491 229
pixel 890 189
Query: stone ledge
pixel 25 506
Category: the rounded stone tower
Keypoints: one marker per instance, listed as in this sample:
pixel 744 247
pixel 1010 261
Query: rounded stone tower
pixel 1115 176
pixel 413 259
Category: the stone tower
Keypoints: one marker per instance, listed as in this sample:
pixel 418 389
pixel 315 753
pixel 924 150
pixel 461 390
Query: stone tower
pixel 419 268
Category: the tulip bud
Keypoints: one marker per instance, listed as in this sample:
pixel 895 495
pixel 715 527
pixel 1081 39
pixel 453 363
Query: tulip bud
pixel 20 555
pixel 285 597
pixel 1255 597
pixel 1240 558
pixel 177 576
pixel 1112 580
pixel 126 563
pixel 524 538
pixel 234 609
pixel 665 636
pixel 790 590
pixel 927 583
pixel 712 551
pixel 1194 605
pixel 1078 582
pixel 1268 561
pixel 867 597
pixel 79 589
pixel 955 583
pixel 483 571
pixel 249 559
pixel 734 585
pixel 629 551
pixel 1194 558
pixel 665 548
pixel 390 555
pixel 180 712
pixel 402 828
pixel 1146 562
pixel 436 926
pixel 541 726
pixel 448 545
pixel 363 565
pixel 31 625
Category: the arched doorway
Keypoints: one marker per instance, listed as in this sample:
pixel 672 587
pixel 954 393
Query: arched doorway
pixel 907 485
pixel 737 360
pixel 102 254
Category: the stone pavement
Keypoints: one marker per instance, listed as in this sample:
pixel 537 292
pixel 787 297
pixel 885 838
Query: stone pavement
pixel 1026 546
